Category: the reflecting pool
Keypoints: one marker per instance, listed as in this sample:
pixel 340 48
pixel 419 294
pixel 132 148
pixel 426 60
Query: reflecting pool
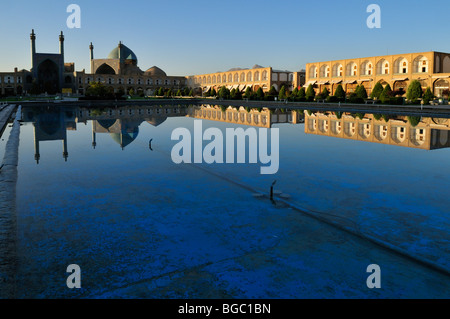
pixel 98 188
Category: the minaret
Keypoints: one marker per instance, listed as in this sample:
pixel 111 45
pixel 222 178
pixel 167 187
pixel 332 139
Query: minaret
pixel 120 57
pixel 120 51
pixel 61 44
pixel 91 48
pixel 33 47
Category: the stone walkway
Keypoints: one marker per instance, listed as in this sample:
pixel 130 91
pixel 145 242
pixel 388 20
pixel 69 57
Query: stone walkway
pixel 8 179
pixel 5 113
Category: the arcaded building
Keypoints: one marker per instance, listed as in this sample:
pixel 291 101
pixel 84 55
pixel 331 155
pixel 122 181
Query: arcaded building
pixel 254 78
pixel 431 69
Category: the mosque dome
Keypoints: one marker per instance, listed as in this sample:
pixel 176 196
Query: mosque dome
pixel 106 124
pixel 126 52
pixel 155 71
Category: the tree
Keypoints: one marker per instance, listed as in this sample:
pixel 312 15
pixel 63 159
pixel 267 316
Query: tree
pixel 310 93
pixel 377 90
pixel 213 92
pixel 282 94
pixel 260 94
pixel 161 92
pixel 427 96
pixel 179 92
pixel 248 92
pixel 385 95
pixel 272 91
pixel 238 94
pixel 414 91
pixel 96 89
pixel 301 93
pixel 361 92
pixel 325 93
pixel 295 93
pixel 131 92
pixel 224 93
pixel 340 93
pixel 191 92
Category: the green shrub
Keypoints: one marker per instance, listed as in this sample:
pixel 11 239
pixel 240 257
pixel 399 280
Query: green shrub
pixel 377 90
pixel 301 93
pixel 332 99
pixel 428 96
pixel 340 93
pixel 414 91
pixel 310 93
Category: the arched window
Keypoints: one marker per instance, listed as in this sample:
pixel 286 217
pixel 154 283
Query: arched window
pixel 312 72
pixel 264 75
pixel 236 77
pixel 230 78
pixel 324 71
pixel 257 76
pixel 242 77
pixel 366 68
pixel 249 77
pixel 383 67
pixel 351 69
pixel 420 64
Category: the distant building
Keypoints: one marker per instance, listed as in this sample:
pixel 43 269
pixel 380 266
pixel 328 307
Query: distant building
pixel 431 69
pixel 254 78
pixel 119 71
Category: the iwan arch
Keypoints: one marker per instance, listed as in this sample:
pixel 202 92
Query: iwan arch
pixel 431 69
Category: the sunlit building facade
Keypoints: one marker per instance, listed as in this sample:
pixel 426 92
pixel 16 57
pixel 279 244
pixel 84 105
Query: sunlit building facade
pixel 254 78
pixel 431 69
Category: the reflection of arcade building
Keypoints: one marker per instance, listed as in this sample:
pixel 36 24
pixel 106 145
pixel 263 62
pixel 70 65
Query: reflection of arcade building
pixel 51 126
pixel 252 117
pixel 429 134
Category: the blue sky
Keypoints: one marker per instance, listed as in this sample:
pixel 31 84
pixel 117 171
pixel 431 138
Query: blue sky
pixel 199 36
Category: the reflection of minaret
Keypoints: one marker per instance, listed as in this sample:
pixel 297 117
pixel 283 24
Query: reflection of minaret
pixel 37 156
pixel 65 153
pixel 94 140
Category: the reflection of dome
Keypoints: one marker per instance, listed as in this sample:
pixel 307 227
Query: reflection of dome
pixel 50 123
pixel 124 139
pixel 106 124
pixel 155 121
pixel 155 71
pixel 126 53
